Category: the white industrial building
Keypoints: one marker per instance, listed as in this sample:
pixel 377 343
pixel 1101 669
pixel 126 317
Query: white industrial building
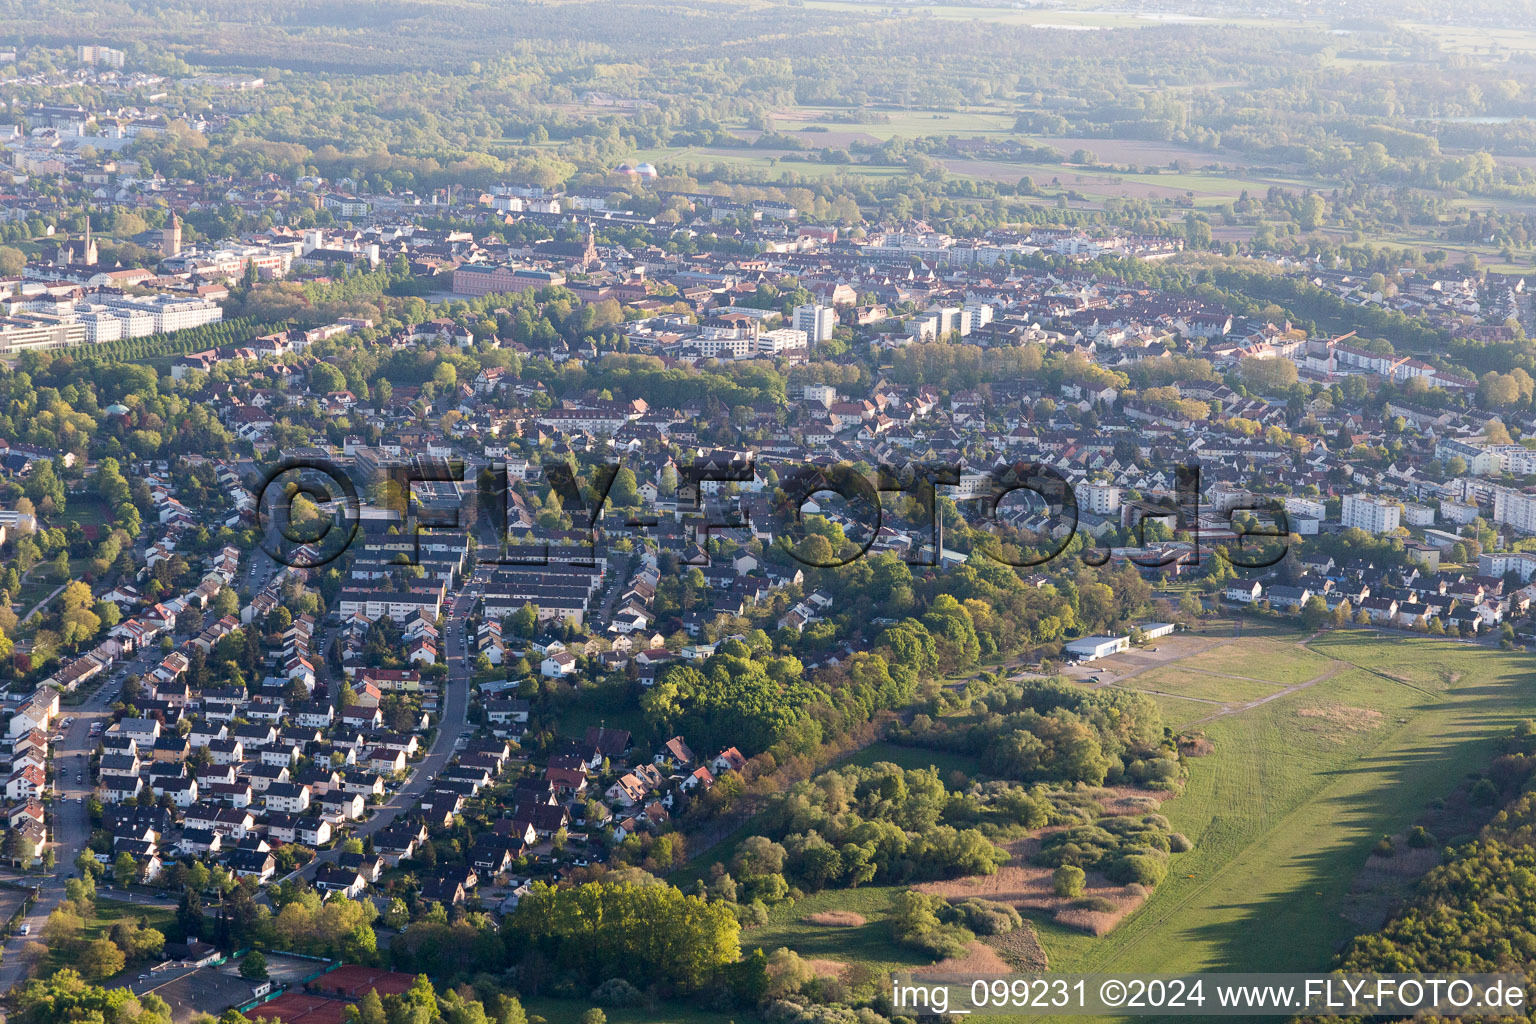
pixel 1092 648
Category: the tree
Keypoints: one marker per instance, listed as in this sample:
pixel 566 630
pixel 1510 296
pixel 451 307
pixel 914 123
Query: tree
pixel 1310 214
pixel 370 1009
pixel 1068 881
pixel 1341 615
pixel 99 958
pixel 1268 375
pixel 125 870
pixel 1314 613
pixel 254 967
pixel 80 622
pixel 397 915
pixel 88 866
pixel 18 848
pixel 189 914
pixel 593 926
pixel 80 891
pixel 62 927
pixel 510 1011
pixel 323 377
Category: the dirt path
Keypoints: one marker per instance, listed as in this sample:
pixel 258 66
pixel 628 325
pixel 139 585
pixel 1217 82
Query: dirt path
pixel 1332 671
pixel 1183 696
pixel 44 602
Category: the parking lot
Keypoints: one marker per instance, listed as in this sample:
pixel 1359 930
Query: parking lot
pixel 10 902
pixel 1140 659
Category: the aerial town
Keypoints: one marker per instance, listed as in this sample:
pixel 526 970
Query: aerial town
pixel 387 563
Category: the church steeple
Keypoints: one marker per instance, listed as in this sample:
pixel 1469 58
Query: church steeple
pixel 88 254
pixel 170 236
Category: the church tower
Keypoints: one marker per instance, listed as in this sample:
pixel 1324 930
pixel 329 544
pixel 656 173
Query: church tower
pixel 88 254
pixel 170 237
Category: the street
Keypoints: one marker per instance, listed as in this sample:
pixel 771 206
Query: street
pixel 69 824
pixel 452 724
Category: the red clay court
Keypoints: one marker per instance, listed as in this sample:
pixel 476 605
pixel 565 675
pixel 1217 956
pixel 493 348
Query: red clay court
pixel 302 1008
pixel 352 981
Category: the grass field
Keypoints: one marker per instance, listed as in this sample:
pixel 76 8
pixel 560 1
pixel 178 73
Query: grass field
pixel 915 757
pixel 1206 188
pixel 107 913
pixel 569 1011
pixel 1179 712
pixel 88 510
pixel 1060 17
pixel 1285 810
pixel 897 123
pixel 1263 658
pixel 1200 686
pixel 1464 39
pixel 869 943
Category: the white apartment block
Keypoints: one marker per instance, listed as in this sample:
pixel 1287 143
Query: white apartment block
pixel 1514 509
pixel 1498 563
pixel 1100 499
pixel 137 323
pixel 979 314
pixel 1373 515
pixel 728 347
pixel 816 321
pixel 1309 507
pixel 38 331
pixel 1517 459
pixel 396 607
pixel 1480 459
pixel 166 313
pixel 1484 459
pixel 100 324
pixel 778 342
pixel 95 54
pixel 1458 512
pixel 973 483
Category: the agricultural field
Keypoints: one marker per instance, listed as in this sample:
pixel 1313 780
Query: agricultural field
pixel 1056 18
pixel 823 123
pixel 1201 188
